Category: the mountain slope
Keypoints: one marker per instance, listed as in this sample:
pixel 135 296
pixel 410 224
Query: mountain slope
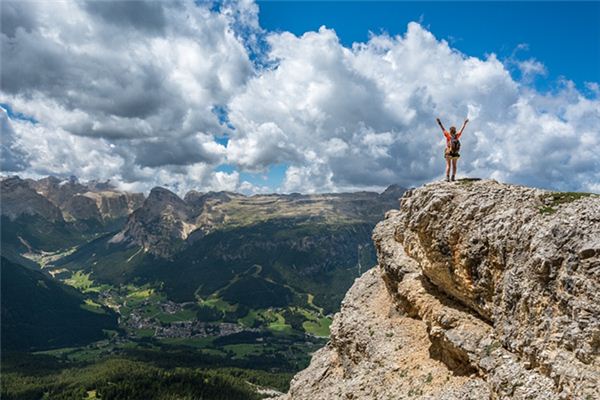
pixel 483 290
pixel 39 313
pixel 199 247
pixel 30 221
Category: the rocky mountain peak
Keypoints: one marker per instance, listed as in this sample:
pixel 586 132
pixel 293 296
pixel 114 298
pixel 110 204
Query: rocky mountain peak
pixel 92 200
pixel 162 202
pixel 58 191
pixel 193 196
pixel 18 198
pixel 160 225
pixel 482 290
pixel 162 195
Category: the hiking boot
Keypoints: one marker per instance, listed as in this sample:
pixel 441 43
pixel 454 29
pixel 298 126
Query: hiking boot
pixel 452 178
pixel 447 178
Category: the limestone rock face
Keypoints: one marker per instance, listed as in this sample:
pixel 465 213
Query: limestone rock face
pixel 113 204
pixel 162 223
pixel 81 207
pixel 483 291
pixel 92 200
pixel 56 190
pixel 18 198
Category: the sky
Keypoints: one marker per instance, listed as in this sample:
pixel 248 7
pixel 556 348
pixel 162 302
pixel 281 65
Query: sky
pixel 299 96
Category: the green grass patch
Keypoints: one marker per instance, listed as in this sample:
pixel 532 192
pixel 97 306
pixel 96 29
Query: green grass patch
pixel 145 332
pixel 141 294
pixel 219 304
pixel 467 181
pixel 213 352
pixel 90 353
pixel 150 310
pixel 183 315
pixel 555 199
pixel 59 353
pixel 80 280
pixel 199 343
pixel 277 322
pixel 310 301
pixel 319 328
pixel 547 210
pixel 251 319
pixel 91 305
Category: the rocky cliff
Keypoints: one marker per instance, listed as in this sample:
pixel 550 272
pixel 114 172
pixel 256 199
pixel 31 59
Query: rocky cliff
pixel 483 291
pixel 160 225
pixel 18 198
pixel 93 200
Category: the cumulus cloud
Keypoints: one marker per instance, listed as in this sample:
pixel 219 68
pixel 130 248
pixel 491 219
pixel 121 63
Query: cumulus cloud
pixel 143 15
pixel 531 68
pixel 140 79
pixel 56 151
pixel 360 117
pixel 137 92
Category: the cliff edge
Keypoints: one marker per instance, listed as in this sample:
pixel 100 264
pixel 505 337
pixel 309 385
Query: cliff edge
pixel 482 291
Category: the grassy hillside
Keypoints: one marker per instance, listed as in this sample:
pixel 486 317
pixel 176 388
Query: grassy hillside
pixel 273 263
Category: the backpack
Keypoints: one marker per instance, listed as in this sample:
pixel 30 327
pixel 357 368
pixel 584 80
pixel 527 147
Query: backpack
pixel 454 144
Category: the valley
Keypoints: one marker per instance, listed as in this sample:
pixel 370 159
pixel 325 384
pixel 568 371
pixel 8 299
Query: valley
pixel 240 287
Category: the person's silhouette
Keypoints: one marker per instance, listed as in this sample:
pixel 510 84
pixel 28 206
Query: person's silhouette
pixel 451 153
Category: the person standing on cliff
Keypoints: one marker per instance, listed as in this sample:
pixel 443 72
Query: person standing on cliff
pixel 452 147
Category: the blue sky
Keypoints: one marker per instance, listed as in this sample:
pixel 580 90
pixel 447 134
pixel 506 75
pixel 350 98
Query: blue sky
pixel 564 36
pixel 258 97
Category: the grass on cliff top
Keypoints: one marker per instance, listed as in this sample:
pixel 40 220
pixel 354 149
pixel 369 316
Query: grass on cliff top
pixel 554 199
pixel 467 181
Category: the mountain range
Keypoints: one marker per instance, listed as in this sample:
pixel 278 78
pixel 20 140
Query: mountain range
pixel 227 253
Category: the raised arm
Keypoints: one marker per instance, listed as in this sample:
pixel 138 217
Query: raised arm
pixel 463 127
pixel 440 124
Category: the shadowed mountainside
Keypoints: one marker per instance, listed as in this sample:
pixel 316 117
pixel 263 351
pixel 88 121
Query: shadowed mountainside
pixel 39 312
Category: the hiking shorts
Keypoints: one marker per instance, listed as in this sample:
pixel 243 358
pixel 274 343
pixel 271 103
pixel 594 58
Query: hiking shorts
pixel 450 155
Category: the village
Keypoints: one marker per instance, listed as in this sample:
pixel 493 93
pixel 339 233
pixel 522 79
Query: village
pixel 186 327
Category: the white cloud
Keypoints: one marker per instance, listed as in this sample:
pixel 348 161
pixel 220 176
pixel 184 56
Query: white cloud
pixel 531 67
pixel 123 89
pixel 365 116
pixel 56 151
pixel 593 87
pixel 128 94
pixel 266 144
